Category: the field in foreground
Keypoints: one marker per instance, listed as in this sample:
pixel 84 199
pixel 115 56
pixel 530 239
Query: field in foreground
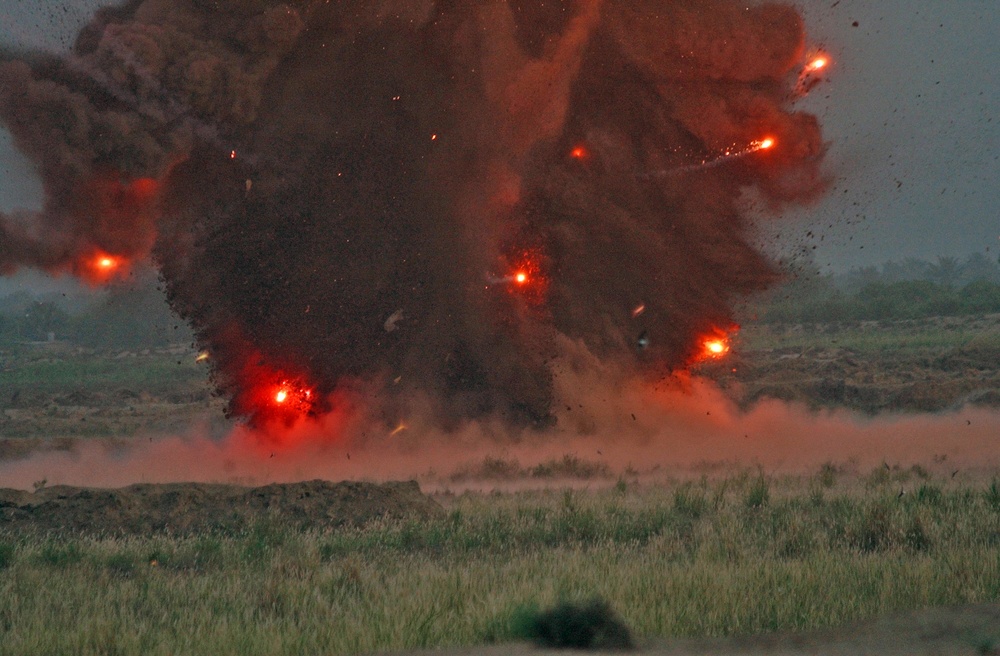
pixel 736 555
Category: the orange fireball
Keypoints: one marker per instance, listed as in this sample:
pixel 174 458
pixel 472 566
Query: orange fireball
pixel 714 345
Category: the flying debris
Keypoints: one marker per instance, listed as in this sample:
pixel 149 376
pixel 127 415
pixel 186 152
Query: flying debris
pixel 730 154
pixel 391 324
pixel 642 343
pixel 811 74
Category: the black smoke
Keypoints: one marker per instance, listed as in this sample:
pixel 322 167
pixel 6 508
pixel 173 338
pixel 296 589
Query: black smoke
pixel 338 193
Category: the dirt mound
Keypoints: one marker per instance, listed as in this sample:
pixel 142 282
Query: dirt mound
pixel 190 507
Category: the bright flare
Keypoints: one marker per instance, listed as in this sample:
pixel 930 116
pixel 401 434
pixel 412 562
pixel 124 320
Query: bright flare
pixel 521 278
pixel 766 144
pixel 578 153
pixel 817 64
pixel 281 396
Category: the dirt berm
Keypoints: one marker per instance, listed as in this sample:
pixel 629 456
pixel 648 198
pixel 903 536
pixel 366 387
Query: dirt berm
pixel 180 508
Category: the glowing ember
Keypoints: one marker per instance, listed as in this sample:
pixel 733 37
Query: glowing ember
pixel 102 267
pixel 232 154
pixel 281 396
pixel 521 278
pixel 817 64
pixel 765 144
pixel 202 357
pixel 714 345
pixel 811 75
pixel 579 152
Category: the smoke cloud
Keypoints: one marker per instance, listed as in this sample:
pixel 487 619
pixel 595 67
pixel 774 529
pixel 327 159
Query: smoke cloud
pixel 340 196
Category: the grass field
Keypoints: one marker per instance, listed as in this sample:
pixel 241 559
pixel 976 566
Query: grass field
pixel 742 554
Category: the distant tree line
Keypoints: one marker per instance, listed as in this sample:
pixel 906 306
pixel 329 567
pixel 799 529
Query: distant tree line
pixel 126 316
pixel 910 289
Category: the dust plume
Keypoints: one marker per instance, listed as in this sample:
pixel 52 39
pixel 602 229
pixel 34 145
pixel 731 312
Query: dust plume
pixel 421 201
pixel 607 420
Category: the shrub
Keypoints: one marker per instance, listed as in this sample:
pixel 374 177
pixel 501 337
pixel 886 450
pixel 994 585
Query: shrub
pixel 689 503
pixel 589 625
pixel 60 555
pixel 993 494
pixel 759 494
pixel 121 564
pixel 6 555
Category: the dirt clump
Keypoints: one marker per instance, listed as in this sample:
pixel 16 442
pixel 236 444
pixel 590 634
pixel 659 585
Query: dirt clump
pixel 183 508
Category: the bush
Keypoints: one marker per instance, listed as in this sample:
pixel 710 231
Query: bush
pixel 6 555
pixel 759 494
pixel 60 554
pixel 590 625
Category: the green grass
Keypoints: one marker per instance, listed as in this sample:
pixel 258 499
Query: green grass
pixel 739 556
pixel 877 338
pixel 154 373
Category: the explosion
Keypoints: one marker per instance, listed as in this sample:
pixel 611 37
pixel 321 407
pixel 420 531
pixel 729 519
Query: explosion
pixel 343 194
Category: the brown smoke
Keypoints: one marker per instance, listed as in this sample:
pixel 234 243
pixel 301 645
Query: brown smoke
pixel 338 193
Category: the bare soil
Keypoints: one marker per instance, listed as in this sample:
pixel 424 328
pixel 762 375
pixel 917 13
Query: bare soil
pixel 185 508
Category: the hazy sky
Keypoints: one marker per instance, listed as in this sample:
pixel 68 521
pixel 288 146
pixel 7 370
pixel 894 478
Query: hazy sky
pixel 911 111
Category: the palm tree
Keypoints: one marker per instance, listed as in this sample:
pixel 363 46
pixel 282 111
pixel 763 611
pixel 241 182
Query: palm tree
pixel 947 271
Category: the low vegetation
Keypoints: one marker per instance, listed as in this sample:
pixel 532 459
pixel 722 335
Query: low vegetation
pixel 732 556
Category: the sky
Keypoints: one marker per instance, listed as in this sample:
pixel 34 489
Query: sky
pixel 911 110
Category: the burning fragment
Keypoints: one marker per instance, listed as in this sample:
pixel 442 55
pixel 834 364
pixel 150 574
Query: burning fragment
pixel 715 344
pixel 213 140
pixel 811 74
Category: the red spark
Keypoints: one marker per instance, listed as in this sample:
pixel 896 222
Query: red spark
pixel 715 344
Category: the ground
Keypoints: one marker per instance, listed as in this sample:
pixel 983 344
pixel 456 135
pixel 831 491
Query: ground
pixel 845 558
